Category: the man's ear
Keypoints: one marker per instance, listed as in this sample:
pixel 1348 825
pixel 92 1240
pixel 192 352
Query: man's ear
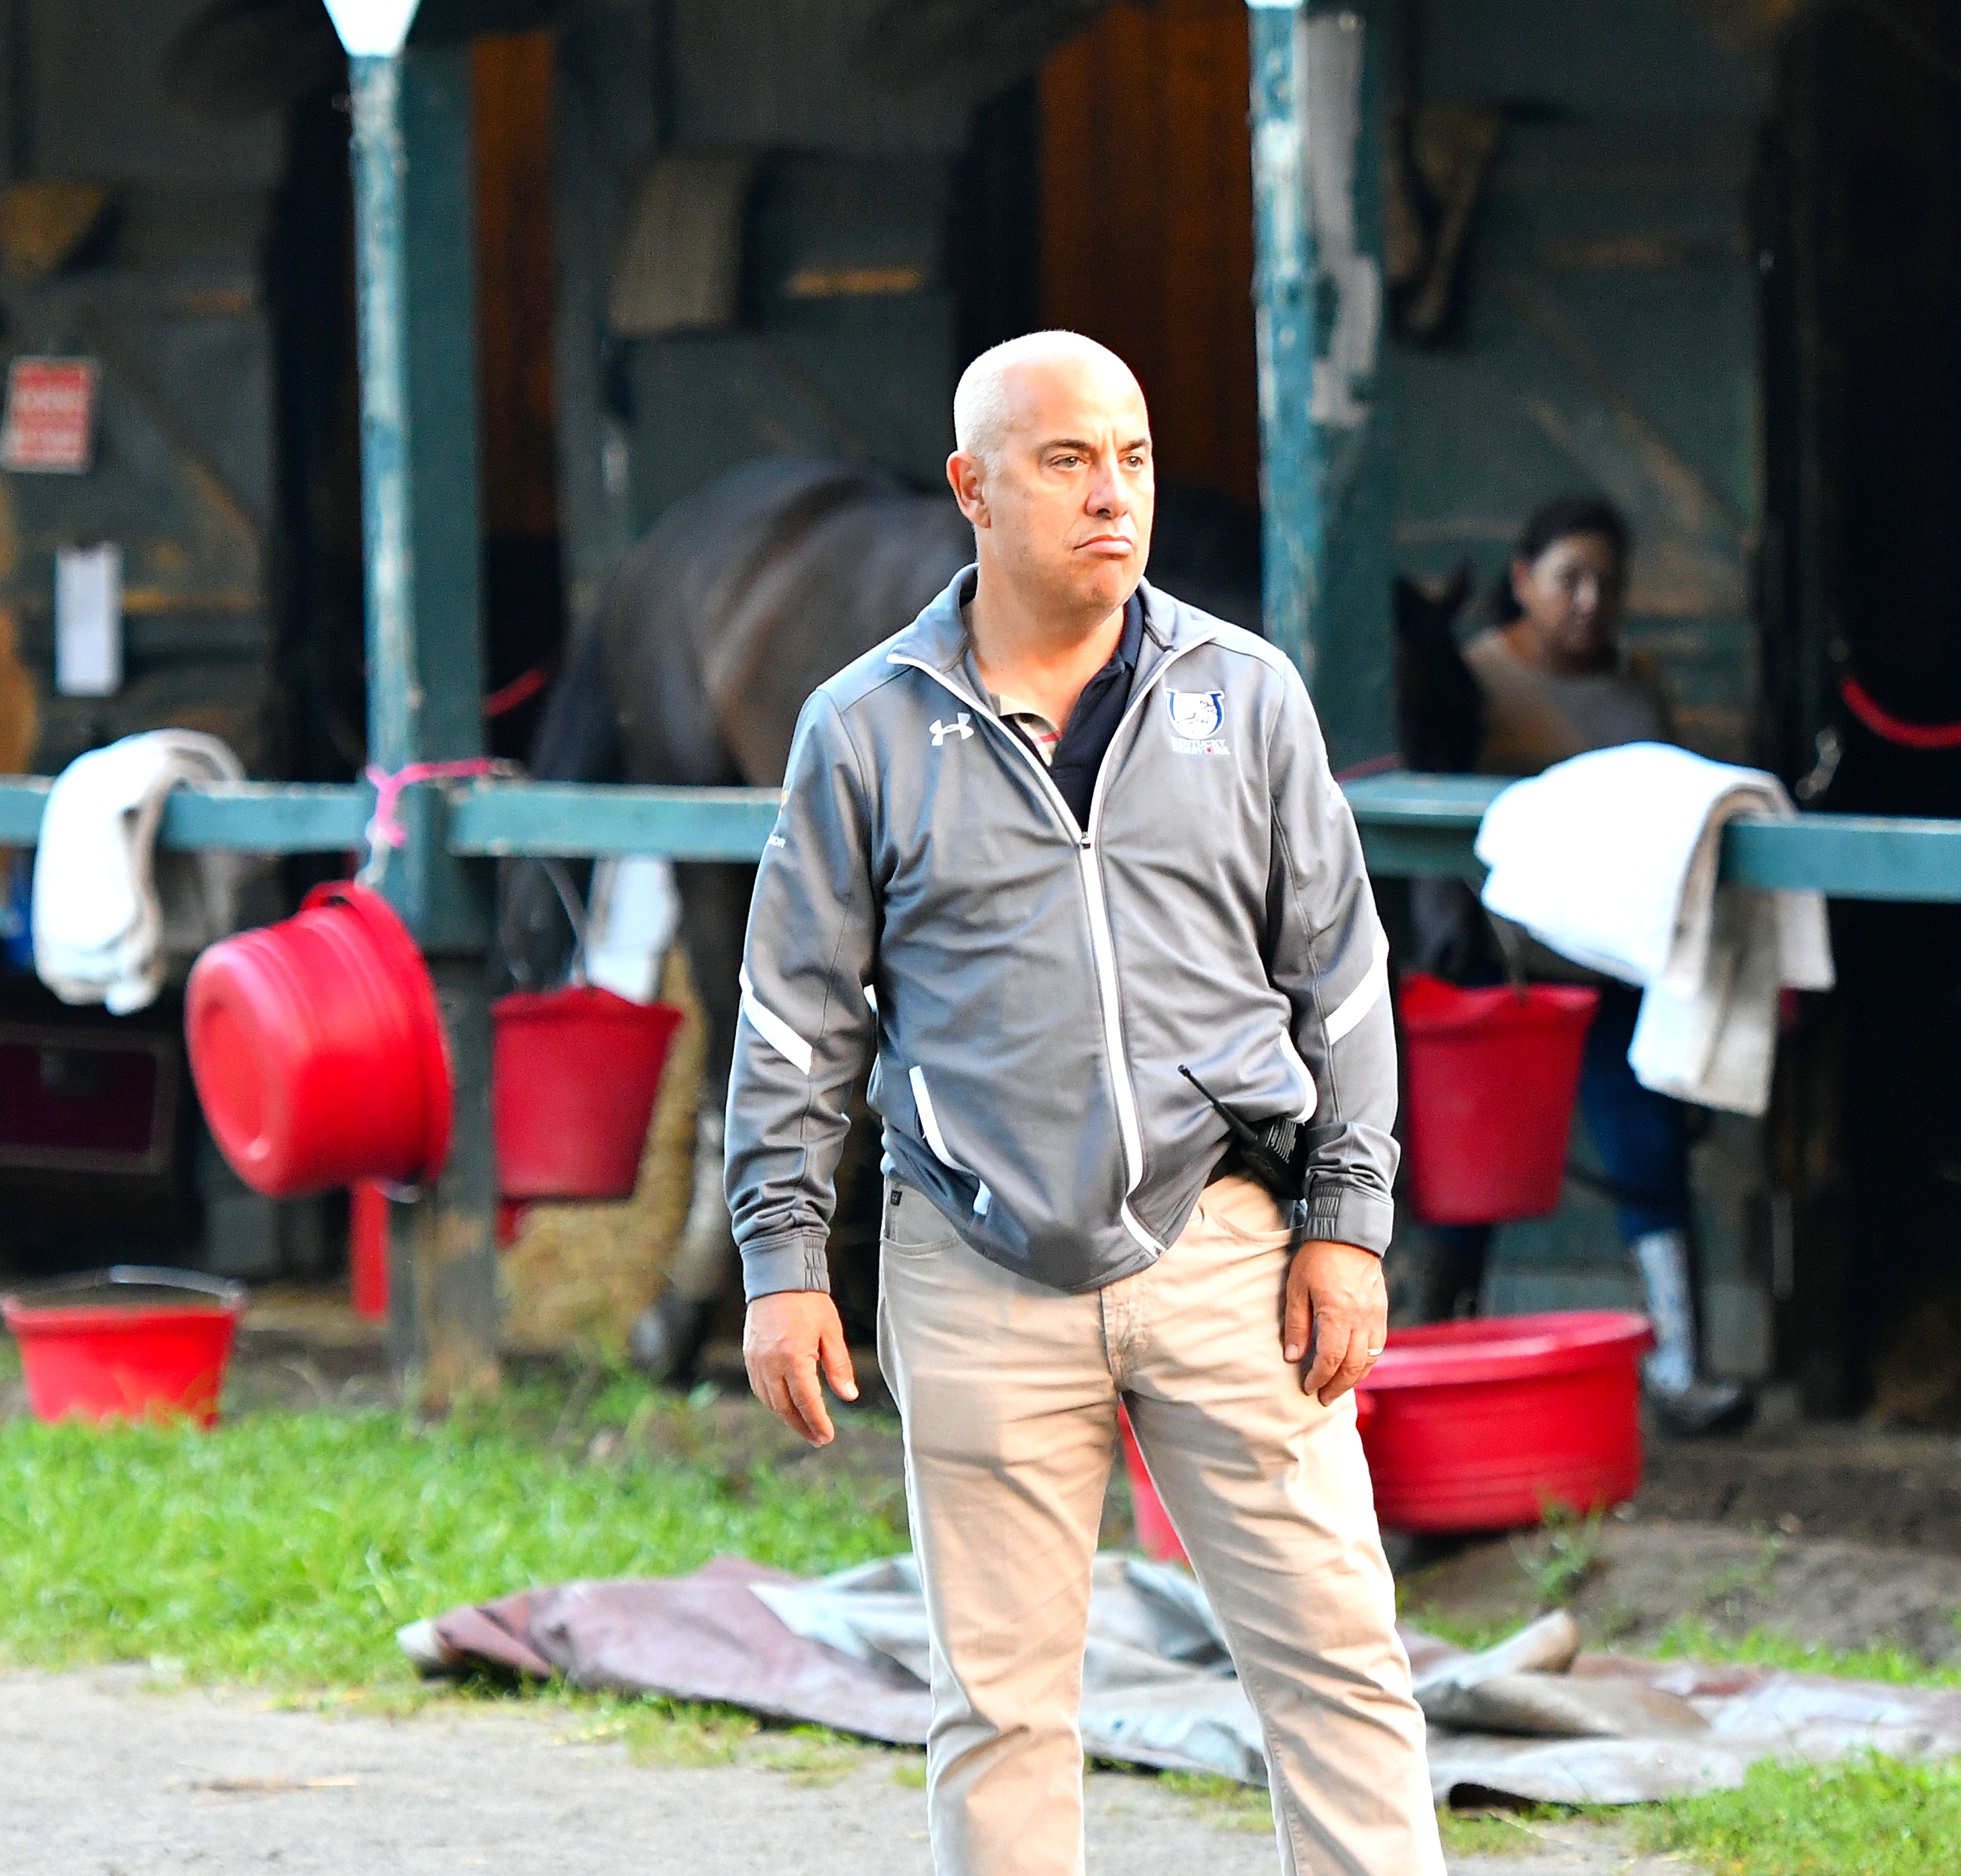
pixel 965 474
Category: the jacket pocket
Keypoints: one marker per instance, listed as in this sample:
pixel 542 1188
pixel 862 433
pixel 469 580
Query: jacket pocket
pixel 928 1122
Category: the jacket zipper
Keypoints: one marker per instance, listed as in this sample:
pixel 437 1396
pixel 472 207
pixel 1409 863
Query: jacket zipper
pixel 1102 940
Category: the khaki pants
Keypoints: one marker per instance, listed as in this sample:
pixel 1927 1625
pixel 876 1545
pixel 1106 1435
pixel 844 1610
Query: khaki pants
pixel 1008 1391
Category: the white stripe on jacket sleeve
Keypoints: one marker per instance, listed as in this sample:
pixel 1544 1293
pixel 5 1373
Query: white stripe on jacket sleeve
pixel 1364 997
pixel 774 1029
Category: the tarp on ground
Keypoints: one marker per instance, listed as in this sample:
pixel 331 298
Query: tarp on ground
pixel 1532 1719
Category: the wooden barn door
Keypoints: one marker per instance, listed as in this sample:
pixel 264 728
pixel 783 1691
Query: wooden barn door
pixel 523 607
pixel 1147 223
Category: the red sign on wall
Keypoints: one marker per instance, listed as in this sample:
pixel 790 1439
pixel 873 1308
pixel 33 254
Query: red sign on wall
pixel 49 426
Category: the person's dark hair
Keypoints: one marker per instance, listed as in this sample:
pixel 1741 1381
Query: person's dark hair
pixel 1557 520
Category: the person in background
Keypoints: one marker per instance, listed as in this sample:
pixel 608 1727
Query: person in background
pixel 1554 681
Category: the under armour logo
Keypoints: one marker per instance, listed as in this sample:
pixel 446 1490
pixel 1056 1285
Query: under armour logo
pixel 961 726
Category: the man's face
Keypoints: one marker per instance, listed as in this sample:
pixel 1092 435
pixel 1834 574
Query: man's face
pixel 1064 508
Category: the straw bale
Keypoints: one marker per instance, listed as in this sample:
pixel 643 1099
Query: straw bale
pixel 579 1274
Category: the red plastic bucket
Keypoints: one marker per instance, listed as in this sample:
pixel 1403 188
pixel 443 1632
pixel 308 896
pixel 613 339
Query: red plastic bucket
pixel 1156 1535
pixel 126 1343
pixel 318 1051
pixel 1491 1076
pixel 1479 1425
pixel 572 1089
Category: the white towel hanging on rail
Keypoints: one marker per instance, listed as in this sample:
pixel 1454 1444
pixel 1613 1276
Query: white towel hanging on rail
pixel 109 911
pixel 1610 859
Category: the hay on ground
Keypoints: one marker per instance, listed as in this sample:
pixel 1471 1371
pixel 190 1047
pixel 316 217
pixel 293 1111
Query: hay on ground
pixel 579 1274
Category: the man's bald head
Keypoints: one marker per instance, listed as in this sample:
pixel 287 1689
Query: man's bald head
pixel 984 401
pixel 1053 469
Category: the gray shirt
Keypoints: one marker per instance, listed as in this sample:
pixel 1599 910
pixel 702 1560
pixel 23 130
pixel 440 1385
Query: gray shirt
pixel 1534 718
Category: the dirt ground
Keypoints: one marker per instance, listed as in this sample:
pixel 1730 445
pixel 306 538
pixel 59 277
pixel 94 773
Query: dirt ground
pixel 105 1776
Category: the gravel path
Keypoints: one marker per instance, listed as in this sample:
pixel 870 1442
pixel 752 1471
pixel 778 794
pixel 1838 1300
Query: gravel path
pixel 104 1776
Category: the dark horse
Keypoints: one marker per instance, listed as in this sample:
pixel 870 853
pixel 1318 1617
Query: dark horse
pixel 709 636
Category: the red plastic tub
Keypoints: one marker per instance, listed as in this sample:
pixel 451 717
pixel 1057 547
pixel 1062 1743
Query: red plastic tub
pixel 572 1089
pixel 1479 1425
pixel 126 1343
pixel 1491 1076
pixel 318 1050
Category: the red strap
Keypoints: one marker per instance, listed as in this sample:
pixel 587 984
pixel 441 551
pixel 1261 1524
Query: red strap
pixel 521 690
pixel 1882 722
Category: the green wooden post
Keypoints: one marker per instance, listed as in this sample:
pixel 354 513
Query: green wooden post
pixel 412 150
pixel 1318 139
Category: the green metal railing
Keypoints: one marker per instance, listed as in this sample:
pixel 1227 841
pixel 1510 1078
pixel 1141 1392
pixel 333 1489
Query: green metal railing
pixel 1415 824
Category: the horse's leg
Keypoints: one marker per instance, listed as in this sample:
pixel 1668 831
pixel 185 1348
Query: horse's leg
pixel 669 735
pixel 577 741
pixel 668 1339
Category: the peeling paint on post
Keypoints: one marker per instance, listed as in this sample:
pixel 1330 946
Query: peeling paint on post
pixel 1318 139
pixel 374 93
pixel 413 263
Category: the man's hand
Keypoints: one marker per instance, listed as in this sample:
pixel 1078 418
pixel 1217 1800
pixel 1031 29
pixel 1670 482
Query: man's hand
pixel 1337 1307
pixel 785 1339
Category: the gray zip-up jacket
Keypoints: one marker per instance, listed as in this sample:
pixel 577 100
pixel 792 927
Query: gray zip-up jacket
pixel 1030 986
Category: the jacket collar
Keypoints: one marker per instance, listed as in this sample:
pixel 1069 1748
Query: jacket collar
pixel 938 639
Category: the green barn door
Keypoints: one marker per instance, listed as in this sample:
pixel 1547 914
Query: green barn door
pixel 1607 341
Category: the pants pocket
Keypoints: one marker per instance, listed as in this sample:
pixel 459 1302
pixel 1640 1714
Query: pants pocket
pixel 1241 1211
pixel 912 1225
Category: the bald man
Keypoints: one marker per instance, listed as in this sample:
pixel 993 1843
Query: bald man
pixel 1060 839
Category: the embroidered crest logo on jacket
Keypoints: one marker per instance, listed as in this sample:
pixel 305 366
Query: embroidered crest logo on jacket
pixel 1196 718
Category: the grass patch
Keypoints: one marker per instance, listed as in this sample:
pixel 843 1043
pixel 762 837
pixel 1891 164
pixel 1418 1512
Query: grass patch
pixel 1222 1801
pixel 1692 1638
pixel 811 1755
pixel 284 1548
pixel 1873 1816
pixel 1491 1833
pixel 1563 1558
pixel 654 1731
pixel 1473 1636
